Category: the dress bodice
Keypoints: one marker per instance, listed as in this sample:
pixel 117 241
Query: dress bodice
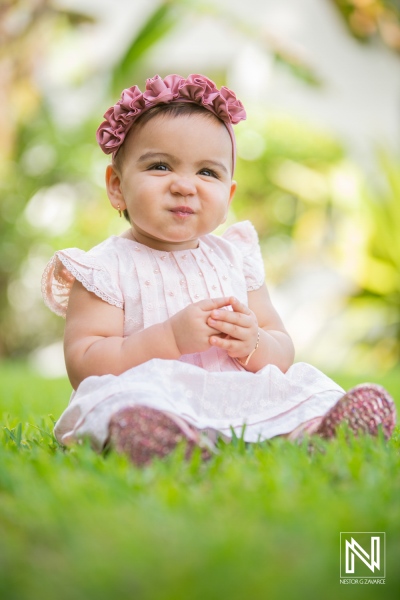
pixel 152 285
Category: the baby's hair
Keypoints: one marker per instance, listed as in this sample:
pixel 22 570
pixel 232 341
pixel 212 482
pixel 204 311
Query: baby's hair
pixel 174 109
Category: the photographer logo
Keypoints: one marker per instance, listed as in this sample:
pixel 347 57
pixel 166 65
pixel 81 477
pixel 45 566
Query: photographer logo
pixel 362 557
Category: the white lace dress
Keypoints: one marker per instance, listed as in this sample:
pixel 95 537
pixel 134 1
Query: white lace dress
pixel 209 389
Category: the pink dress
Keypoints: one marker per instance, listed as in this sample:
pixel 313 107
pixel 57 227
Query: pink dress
pixel 210 390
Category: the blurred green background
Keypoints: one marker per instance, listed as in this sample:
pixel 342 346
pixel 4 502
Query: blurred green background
pixel 319 175
pixel 328 220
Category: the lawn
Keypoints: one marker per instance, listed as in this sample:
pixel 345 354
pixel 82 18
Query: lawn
pixel 258 522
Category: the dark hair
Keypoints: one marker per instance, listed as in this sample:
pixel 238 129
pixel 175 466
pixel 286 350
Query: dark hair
pixel 172 109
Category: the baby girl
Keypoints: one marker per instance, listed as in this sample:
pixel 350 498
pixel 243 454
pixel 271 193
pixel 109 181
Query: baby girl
pixel 170 330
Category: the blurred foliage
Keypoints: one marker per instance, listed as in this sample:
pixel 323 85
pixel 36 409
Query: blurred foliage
pixel 368 19
pixel 27 31
pixel 36 157
pixel 294 179
pixel 161 22
pixel 378 274
pixel 307 200
pixel 51 170
pixel 287 162
pixel 279 49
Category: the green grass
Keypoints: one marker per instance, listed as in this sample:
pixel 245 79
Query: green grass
pixel 256 522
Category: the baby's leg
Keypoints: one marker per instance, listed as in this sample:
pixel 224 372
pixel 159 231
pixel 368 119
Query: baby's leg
pixel 143 433
pixel 307 428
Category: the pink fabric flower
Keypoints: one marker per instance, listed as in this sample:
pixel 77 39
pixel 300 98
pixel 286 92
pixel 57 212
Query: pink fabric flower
pixel 197 89
pixel 227 104
pixel 111 133
pixel 160 91
pixel 130 105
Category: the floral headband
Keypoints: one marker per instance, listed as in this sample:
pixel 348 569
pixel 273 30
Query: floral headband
pixel 196 89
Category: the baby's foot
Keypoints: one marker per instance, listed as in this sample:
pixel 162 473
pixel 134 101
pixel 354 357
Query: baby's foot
pixel 363 408
pixel 144 433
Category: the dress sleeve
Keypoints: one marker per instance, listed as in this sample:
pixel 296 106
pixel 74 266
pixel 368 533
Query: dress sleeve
pixel 70 264
pixel 245 238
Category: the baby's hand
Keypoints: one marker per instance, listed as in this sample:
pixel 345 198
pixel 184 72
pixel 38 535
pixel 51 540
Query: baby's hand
pixel 240 327
pixel 190 326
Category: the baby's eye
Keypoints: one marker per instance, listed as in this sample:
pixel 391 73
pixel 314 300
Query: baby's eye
pixel 208 173
pixel 158 167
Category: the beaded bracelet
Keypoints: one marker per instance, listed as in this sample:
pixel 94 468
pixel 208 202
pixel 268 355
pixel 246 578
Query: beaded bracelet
pixel 244 363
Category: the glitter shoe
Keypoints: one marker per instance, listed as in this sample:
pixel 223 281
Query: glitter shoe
pixel 144 433
pixel 363 408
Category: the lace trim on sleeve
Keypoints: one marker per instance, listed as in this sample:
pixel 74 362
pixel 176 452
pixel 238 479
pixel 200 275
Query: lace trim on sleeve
pixel 90 287
pixel 54 294
pixel 57 281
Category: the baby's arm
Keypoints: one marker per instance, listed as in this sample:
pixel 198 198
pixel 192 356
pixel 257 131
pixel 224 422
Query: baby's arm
pixel 242 326
pixel 94 342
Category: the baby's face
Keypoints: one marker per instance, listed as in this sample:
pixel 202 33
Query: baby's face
pixel 174 180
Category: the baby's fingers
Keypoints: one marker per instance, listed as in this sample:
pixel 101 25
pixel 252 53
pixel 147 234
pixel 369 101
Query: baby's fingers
pixel 209 304
pixel 239 306
pixel 234 348
pixel 235 325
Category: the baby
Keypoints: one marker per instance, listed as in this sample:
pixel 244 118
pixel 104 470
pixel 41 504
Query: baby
pixel 170 331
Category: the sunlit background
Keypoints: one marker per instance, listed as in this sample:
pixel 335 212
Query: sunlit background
pixel 318 171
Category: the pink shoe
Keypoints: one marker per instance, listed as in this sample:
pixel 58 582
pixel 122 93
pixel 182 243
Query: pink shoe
pixel 144 433
pixel 363 408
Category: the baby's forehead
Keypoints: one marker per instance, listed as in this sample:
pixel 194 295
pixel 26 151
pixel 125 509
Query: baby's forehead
pixel 205 130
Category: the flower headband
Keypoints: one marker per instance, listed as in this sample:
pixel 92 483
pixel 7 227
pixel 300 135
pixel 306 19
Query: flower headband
pixel 196 89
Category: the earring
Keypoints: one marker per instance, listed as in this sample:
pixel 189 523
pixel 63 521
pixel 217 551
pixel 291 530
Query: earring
pixel 119 211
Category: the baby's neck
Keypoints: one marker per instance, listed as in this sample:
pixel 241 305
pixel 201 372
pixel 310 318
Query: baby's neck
pixel 162 245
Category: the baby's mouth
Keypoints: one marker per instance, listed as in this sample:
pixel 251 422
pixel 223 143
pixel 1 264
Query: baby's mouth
pixel 182 211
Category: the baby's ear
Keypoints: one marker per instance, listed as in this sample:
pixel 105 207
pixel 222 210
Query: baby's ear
pixel 113 185
pixel 233 190
pixel 231 195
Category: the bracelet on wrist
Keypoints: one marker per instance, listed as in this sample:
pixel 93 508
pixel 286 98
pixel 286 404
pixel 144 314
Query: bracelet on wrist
pixel 245 362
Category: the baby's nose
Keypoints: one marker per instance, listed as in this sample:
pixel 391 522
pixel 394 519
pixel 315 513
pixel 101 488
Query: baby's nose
pixel 184 186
